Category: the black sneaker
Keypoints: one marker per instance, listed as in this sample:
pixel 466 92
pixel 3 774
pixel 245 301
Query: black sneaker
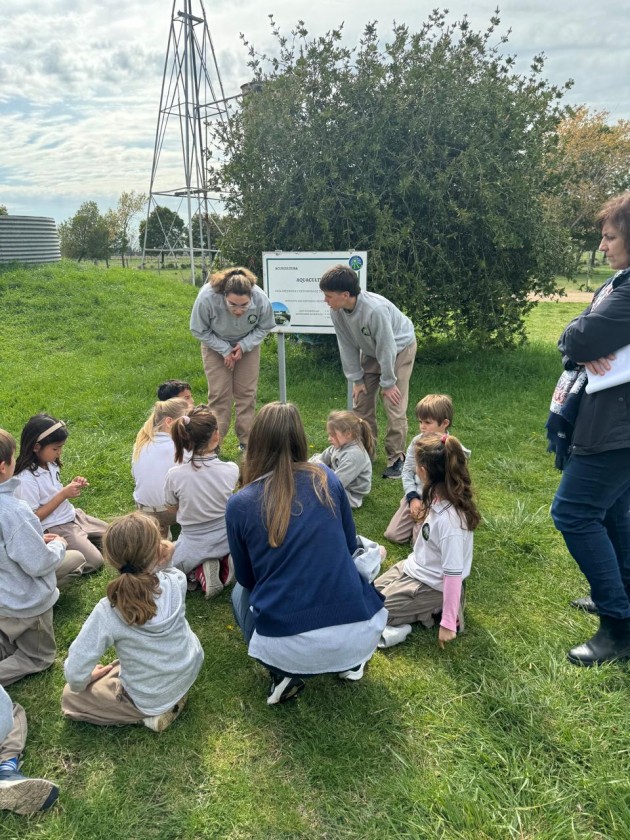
pixel 395 470
pixel 283 689
pixel 587 604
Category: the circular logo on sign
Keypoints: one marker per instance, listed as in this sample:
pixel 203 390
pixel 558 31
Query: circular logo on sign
pixel 251 319
pixel 355 262
pixel 425 531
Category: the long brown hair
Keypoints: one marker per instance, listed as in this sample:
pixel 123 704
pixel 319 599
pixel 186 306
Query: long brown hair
pixel 131 545
pixel 447 473
pixel 162 409
pixel 193 432
pixel 276 449
pixel 348 423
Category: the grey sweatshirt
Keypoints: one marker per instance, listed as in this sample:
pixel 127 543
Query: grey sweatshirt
pixel 376 328
pixel 352 466
pixel 6 715
pixel 159 660
pixel 212 322
pixel 28 584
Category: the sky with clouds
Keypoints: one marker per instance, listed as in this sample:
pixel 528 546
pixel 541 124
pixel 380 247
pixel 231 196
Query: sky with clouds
pixel 80 81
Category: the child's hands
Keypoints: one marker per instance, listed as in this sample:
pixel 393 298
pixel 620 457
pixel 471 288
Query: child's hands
pixel 80 480
pixel 100 671
pixel 73 489
pixel 48 538
pixel 445 635
pixel 416 510
pixel 166 552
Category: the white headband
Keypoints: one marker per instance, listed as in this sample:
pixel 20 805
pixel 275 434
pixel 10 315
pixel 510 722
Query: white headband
pixel 50 430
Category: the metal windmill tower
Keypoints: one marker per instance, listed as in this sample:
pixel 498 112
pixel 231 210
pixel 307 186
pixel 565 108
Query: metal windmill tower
pixel 191 101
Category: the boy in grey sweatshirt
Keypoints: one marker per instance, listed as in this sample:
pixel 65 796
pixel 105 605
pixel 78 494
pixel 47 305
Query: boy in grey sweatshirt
pixel 377 345
pixel 28 582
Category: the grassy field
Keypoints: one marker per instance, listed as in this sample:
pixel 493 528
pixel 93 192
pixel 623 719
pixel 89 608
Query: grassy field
pixel 495 737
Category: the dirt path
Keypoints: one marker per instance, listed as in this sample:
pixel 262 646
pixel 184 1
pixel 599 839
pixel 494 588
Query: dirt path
pixel 570 297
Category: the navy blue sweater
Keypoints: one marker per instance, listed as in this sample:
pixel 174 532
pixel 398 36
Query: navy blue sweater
pixel 310 581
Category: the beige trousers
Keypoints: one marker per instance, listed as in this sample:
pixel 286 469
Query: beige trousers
pixel 13 745
pixel 238 386
pixel 81 536
pixel 409 600
pixel 164 518
pixel 365 405
pixel 103 702
pixel 72 566
pixel 27 646
pixel 402 527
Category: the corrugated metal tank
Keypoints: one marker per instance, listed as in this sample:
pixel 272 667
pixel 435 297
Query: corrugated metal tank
pixel 28 239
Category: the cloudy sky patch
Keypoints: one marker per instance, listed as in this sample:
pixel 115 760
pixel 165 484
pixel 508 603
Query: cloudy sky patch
pixel 80 81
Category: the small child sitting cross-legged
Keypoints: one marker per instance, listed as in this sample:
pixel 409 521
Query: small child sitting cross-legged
pixel 429 582
pixel 143 617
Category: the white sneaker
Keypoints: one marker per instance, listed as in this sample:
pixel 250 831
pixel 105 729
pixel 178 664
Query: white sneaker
pixel 353 674
pixel 394 635
pixel 158 723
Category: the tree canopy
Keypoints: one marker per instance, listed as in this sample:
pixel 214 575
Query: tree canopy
pixel 164 231
pixel 86 235
pixel 590 163
pixel 429 151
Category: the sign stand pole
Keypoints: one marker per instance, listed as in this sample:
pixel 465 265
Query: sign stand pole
pixel 282 368
pixel 350 403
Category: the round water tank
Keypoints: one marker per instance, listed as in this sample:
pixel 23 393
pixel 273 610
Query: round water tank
pixel 28 239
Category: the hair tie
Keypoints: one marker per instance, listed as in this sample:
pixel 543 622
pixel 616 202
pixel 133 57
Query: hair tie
pixel 185 419
pixel 127 569
pixel 444 438
pixel 50 430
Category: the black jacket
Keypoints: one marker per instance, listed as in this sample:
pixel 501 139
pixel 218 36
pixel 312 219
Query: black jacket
pixel 603 420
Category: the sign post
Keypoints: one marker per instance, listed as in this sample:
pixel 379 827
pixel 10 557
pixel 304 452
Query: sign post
pixel 291 280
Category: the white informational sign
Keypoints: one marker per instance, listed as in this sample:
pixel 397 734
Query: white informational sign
pixel 291 282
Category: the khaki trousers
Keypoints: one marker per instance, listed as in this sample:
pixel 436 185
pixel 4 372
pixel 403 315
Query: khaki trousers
pixel 409 600
pixel 103 702
pixel 402 527
pixel 365 405
pixel 72 566
pixel 81 536
pixel 13 745
pixel 164 518
pixel 238 386
pixel 27 646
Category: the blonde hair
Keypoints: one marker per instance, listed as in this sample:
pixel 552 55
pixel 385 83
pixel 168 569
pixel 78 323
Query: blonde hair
pixel 162 409
pixel 436 407
pixel 277 446
pixel 348 423
pixel 193 432
pixel 7 446
pixel 446 467
pixel 132 545
pixel 236 280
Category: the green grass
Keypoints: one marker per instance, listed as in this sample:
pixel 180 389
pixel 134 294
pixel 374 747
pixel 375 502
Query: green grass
pixel 496 737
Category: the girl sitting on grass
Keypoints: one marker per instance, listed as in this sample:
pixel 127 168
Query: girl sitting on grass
pixel 143 618
pixel 38 467
pixel 350 453
pixel 198 490
pixel 427 586
pixel 153 456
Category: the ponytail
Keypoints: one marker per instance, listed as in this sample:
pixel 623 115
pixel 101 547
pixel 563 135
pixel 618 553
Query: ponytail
pixel 162 410
pixel 348 423
pixel 444 461
pixel 193 432
pixel 132 546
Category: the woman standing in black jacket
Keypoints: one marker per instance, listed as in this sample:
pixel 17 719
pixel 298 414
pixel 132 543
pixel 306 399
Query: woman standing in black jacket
pixel 592 505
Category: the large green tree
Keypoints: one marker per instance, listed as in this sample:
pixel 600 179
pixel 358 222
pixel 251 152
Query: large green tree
pixel 86 235
pixel 589 164
pixel 428 151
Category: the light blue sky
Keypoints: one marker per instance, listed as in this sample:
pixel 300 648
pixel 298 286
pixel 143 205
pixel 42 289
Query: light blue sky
pixel 80 81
